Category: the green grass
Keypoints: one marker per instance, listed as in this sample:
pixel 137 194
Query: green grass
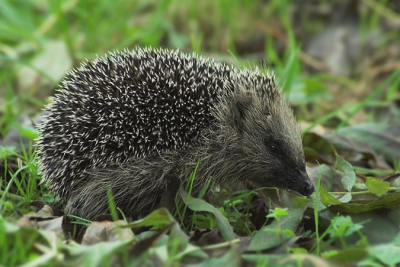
pixel 41 40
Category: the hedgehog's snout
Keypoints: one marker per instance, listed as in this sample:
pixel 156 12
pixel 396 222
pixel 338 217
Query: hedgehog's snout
pixel 307 188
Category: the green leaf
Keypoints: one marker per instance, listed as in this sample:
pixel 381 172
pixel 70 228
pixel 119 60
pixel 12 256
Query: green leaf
pixel 396 240
pixel 349 177
pixel 29 132
pixel 158 219
pixel 267 237
pixel 197 204
pixel 6 151
pixel 348 255
pixel 346 198
pixel 389 254
pixel 99 254
pixel 326 198
pixel 377 187
pixel 277 213
pixel 388 201
pixel 343 226
pixel 300 201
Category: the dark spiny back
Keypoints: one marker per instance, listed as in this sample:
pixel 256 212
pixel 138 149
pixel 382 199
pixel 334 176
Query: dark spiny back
pixel 126 105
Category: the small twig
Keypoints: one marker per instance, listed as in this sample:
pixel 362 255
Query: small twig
pixel 385 68
pixel 12 196
pixel 382 10
pixel 306 58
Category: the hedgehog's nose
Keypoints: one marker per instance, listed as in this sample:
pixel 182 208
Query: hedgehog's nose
pixel 307 188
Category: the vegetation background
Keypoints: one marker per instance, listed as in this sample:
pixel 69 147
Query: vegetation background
pixel 338 62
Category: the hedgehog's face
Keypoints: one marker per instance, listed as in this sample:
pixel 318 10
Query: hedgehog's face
pixel 268 142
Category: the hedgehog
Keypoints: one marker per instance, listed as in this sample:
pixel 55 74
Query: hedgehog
pixel 137 123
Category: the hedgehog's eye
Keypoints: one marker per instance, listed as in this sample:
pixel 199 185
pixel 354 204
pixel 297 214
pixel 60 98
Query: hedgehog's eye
pixel 272 147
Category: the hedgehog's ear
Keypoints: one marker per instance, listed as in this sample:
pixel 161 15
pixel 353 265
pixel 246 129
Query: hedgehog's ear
pixel 240 108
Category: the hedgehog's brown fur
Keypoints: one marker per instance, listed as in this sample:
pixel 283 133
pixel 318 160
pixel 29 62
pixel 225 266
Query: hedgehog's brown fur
pixel 138 123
